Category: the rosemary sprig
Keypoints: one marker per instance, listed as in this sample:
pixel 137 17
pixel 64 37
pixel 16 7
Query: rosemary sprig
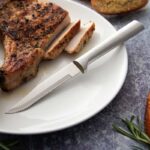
pixel 137 148
pixel 134 131
pixel 7 145
pixel 3 147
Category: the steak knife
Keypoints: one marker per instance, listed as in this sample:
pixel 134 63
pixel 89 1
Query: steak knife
pixel 77 66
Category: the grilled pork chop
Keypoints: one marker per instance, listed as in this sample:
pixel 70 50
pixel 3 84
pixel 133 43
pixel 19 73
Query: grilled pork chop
pixel 26 35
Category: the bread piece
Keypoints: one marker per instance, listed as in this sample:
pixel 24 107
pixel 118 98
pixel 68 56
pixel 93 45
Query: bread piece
pixel 62 41
pixel 79 41
pixel 112 7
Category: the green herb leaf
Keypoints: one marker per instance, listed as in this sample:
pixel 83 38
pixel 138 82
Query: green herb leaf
pixel 7 145
pixel 133 131
pixel 136 148
pixel 3 147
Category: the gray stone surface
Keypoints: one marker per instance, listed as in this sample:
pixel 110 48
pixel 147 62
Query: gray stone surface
pixel 97 133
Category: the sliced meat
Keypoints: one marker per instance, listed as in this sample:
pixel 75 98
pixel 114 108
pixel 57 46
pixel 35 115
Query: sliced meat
pixel 26 34
pixel 45 42
pixel 82 37
pixel 60 43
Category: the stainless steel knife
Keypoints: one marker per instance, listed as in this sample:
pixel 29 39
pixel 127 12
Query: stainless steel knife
pixel 77 66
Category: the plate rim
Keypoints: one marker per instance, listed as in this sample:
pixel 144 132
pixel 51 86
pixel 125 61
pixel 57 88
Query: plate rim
pixel 83 119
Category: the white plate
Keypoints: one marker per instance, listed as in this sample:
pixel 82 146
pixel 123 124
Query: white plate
pixel 77 100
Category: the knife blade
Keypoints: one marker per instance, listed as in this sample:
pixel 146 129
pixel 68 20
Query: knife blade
pixel 77 66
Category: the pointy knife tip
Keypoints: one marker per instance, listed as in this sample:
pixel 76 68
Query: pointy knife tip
pixel 9 113
pixel 17 109
pixel 12 111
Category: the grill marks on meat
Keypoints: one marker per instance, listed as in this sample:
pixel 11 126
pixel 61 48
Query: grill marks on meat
pixel 20 65
pixel 27 30
pixel 35 23
pixel 3 3
pixel 11 9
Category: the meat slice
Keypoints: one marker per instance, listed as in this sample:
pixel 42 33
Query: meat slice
pixel 60 43
pixel 45 42
pixel 26 35
pixel 82 37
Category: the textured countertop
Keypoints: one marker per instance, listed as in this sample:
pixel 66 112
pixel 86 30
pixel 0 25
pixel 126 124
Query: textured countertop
pixel 97 133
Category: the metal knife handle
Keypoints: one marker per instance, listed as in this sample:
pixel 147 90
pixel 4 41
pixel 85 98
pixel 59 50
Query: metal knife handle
pixel 107 45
